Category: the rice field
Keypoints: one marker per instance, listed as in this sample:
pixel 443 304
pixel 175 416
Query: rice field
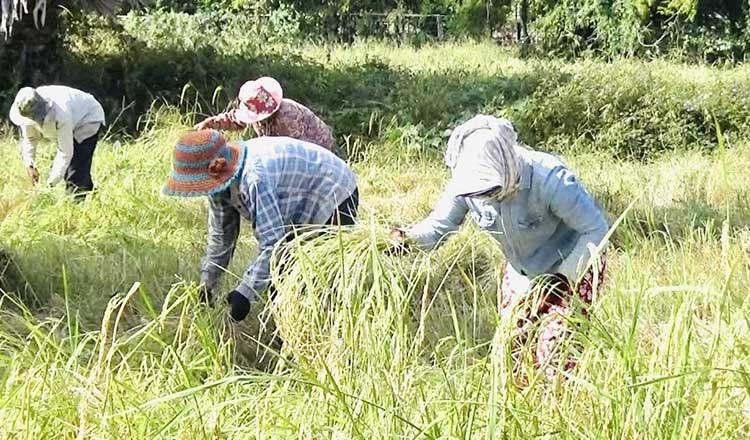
pixel 102 335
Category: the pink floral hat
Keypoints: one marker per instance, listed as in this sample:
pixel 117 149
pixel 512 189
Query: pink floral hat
pixel 259 99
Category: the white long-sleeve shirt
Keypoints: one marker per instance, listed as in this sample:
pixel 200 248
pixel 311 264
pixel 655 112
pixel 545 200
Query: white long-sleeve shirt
pixel 74 116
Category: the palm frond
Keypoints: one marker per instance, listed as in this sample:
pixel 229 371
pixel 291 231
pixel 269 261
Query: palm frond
pixel 12 11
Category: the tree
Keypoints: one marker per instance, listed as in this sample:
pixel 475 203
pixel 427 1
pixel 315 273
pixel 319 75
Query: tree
pixel 12 11
pixel 31 40
pixel 522 20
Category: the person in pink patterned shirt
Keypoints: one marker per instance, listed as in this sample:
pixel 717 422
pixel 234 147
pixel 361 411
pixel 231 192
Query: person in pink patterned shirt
pixel 263 106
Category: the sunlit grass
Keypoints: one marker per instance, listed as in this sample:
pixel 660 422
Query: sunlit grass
pixel 101 334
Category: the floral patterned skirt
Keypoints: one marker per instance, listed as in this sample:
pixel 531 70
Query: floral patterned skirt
pixel 544 307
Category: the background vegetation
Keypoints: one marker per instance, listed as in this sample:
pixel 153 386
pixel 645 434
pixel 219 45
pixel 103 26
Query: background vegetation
pixel 153 53
pixel 101 335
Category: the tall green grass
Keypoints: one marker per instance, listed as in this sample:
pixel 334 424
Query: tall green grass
pixel 367 89
pixel 102 335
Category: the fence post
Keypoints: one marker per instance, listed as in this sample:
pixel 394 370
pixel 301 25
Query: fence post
pixel 439 19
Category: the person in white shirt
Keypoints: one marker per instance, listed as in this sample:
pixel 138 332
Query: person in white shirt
pixel 71 117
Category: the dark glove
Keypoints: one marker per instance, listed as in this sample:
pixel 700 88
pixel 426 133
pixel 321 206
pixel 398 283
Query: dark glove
pixel 33 174
pixel 206 296
pixel 239 306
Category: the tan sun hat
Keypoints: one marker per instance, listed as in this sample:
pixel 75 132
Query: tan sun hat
pixel 29 104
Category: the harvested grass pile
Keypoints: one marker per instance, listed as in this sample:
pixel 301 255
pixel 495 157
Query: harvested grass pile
pixel 339 294
pixel 342 299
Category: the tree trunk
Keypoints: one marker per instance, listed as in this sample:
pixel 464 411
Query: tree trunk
pixel 522 19
pixel 488 18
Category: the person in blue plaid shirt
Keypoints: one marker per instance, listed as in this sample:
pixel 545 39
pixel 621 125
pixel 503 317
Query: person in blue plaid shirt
pixel 276 183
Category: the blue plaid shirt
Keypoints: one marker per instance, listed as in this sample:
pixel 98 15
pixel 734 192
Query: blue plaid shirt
pixel 285 182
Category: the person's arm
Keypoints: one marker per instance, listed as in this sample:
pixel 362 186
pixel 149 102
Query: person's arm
pixel 64 152
pixel 269 230
pixel 446 218
pixel 29 138
pixel 223 121
pixel 572 204
pixel 223 230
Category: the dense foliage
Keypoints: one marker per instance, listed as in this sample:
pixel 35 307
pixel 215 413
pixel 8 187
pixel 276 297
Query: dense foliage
pixel 198 65
pixel 709 30
pixel 704 29
pixel 12 11
pixel 198 61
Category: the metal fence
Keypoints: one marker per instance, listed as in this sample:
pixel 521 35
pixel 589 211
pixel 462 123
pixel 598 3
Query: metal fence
pixel 366 24
pixel 395 24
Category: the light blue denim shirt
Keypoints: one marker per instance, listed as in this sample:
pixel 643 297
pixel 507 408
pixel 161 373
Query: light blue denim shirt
pixel 544 227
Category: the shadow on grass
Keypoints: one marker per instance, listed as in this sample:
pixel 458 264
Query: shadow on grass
pixel 130 77
pixel 47 274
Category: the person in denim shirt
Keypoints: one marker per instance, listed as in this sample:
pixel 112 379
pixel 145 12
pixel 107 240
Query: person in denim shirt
pixel 543 218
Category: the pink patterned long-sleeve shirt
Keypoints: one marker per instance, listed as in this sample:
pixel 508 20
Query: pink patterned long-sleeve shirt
pixel 292 119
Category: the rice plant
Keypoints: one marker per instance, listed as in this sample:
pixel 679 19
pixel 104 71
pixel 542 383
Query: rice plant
pixel 102 334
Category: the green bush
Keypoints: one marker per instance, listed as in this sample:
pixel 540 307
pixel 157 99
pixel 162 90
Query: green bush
pixel 692 29
pixel 630 108
pixel 479 18
pixel 637 109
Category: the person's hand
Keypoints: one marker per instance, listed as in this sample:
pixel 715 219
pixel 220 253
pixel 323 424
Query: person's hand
pixel 400 244
pixel 33 174
pixel 239 306
pixel 205 124
pixel 398 234
pixel 206 295
pixel 555 290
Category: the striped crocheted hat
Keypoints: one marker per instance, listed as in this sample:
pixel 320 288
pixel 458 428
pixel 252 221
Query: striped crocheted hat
pixel 204 164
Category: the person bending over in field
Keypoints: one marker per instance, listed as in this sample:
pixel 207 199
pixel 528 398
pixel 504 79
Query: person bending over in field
pixel 71 117
pixel 263 106
pixel 541 216
pixel 276 183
